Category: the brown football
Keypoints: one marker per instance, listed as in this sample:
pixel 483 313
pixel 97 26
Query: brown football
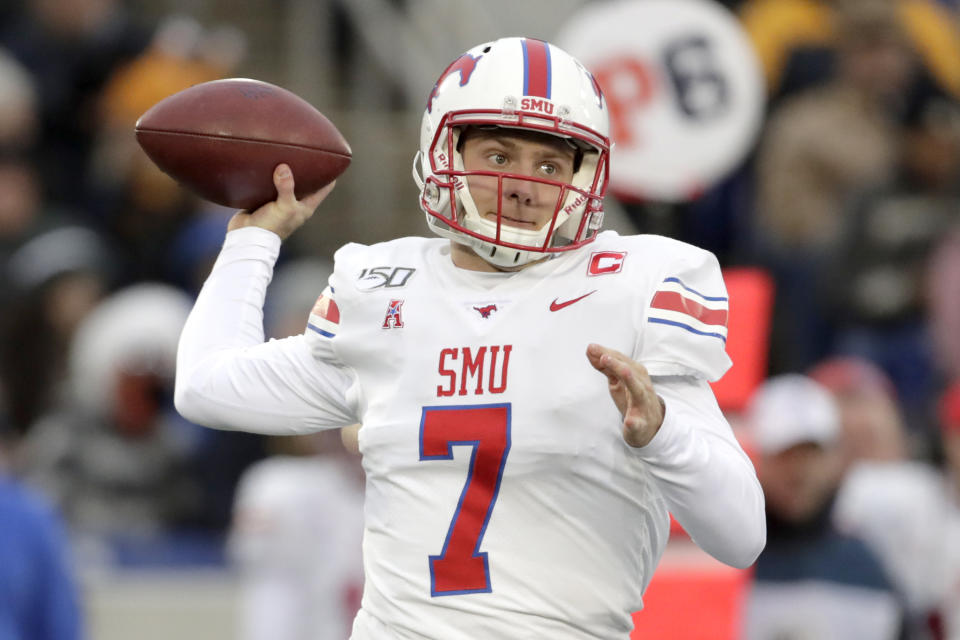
pixel 223 139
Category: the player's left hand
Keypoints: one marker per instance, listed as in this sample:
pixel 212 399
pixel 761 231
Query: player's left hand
pixel 632 391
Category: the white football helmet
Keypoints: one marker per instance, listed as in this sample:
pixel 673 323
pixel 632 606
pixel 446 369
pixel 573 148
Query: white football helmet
pixel 518 83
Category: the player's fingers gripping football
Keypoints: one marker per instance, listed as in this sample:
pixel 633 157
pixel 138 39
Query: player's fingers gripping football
pixel 632 392
pixel 286 214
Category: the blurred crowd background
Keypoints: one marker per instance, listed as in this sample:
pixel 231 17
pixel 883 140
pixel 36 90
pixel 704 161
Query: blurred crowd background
pixel 849 201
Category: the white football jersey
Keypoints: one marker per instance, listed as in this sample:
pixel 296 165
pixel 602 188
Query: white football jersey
pixel 501 498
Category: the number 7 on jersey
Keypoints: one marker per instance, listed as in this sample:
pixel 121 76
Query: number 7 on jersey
pixel 461 567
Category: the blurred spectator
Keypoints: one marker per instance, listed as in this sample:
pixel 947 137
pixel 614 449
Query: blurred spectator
pixel 70 47
pixel 21 204
pixel 20 199
pixel 792 39
pixel 796 40
pixel 113 456
pixel 54 281
pixel 823 144
pixel 38 595
pixel 909 513
pixel 880 480
pixel 896 507
pixel 811 581
pixel 871 425
pixel 18 105
pixel 39 288
pixel 296 538
pixel 879 307
pixel 818 149
pixel 142 208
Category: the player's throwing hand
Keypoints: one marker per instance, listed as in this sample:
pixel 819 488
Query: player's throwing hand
pixel 632 391
pixel 286 214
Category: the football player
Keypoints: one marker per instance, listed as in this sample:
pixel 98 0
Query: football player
pixel 533 392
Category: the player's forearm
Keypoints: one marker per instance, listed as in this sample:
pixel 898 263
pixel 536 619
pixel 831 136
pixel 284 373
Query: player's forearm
pixel 227 316
pixel 709 483
pixel 229 310
pixel 229 378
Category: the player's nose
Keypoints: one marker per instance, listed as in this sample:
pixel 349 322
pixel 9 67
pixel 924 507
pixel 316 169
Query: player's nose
pixel 525 192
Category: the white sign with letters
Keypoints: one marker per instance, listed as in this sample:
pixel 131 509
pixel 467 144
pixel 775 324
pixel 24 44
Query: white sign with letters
pixel 683 86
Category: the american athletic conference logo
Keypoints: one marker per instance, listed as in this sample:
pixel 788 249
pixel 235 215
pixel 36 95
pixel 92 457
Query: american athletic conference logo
pixel 394 316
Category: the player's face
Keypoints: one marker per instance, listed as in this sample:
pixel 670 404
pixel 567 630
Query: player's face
pixel 524 204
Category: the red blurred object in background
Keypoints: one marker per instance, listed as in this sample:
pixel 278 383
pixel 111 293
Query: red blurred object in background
pixel 691 597
pixel 751 293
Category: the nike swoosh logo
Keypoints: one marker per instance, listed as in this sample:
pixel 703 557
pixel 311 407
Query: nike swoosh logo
pixel 556 306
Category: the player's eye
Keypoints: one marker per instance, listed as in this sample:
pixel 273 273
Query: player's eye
pixel 497 158
pixel 548 168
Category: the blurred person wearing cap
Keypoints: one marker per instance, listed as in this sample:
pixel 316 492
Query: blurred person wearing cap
pixel 39 598
pixel 114 455
pixel 811 580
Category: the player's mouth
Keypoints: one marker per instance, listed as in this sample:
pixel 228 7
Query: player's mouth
pixel 513 222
